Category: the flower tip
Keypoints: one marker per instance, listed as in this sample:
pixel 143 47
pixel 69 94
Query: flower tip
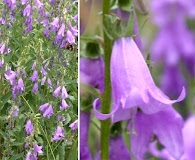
pixel 182 95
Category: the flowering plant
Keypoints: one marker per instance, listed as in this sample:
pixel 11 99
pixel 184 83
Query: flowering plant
pixel 133 111
pixel 38 79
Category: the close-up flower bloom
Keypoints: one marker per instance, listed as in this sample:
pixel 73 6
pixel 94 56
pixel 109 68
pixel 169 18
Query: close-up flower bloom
pixel 59 134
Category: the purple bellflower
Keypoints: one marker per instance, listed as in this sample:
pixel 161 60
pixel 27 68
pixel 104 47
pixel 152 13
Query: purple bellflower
pixel 57 91
pixel 84 129
pixel 35 87
pixel 132 83
pixel 188 138
pixel 55 22
pixel 70 37
pixel 166 125
pixel 34 76
pixel 10 76
pixel 37 149
pixel 59 134
pixel 61 30
pixel 20 85
pixel 64 105
pixel 117 149
pixel 27 10
pixel 74 125
pixel 29 127
pixel 47 110
pixel 64 93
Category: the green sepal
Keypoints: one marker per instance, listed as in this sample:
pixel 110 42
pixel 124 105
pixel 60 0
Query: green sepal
pixel 125 5
pixel 116 28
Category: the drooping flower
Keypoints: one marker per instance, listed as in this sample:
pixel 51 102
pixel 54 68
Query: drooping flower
pixel 29 127
pixel 84 129
pixel 34 76
pixel 59 134
pixel 27 10
pixel 61 30
pixel 166 125
pixel 74 125
pixel 35 87
pixel 47 110
pixel 10 76
pixel 70 37
pixel 64 93
pixel 43 80
pixel 117 149
pixel 64 105
pixel 37 149
pixel 57 91
pixel 55 22
pixel 189 145
pixel 132 83
pixel 21 84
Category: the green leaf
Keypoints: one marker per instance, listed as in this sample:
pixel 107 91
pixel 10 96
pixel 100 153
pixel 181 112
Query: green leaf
pixel 73 153
pixel 5 98
pixel 62 151
pixel 17 156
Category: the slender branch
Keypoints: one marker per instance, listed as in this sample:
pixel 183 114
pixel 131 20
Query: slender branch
pixel 106 102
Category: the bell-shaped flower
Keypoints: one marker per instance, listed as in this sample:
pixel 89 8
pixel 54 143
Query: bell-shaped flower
pixel 47 110
pixel 59 134
pixel 64 93
pixel 166 125
pixel 70 37
pixel 29 127
pixel 27 10
pixel 132 83
pixel 57 91
pixel 35 87
pixel 189 143
pixel 84 129
pixel 37 149
pixel 34 76
pixel 117 149
pixel 61 30
pixel 10 76
pixel 64 105
pixel 21 84
pixel 55 22
pixel 74 125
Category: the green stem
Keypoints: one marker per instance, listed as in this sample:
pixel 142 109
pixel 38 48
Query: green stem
pixel 106 101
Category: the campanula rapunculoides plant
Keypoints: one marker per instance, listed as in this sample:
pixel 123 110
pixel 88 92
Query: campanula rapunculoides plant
pixel 38 79
pixel 136 91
